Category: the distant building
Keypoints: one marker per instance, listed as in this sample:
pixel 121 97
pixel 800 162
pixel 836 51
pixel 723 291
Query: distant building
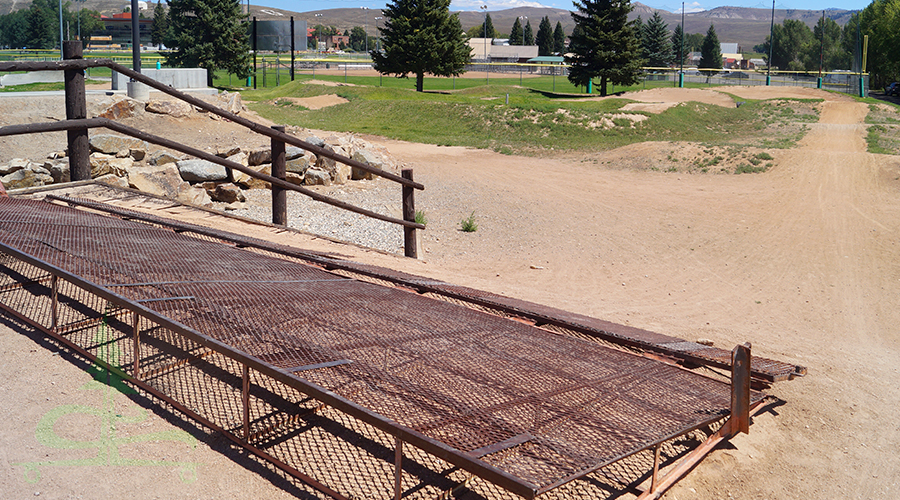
pixel 118 29
pixel 483 49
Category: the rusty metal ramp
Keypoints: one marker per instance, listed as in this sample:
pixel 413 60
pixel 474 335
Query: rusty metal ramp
pixel 256 346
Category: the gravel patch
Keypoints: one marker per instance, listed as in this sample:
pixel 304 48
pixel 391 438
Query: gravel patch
pixel 318 218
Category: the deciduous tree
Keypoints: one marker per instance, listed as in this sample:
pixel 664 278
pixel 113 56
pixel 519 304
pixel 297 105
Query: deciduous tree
pixel 421 36
pixel 210 34
pixel 604 44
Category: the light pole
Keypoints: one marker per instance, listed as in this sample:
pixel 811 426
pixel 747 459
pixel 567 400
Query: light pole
pixel 681 50
pixel 377 35
pixel 366 37
pixel 484 33
pixel 771 46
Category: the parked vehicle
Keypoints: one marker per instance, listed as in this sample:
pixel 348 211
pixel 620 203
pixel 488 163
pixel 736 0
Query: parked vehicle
pixel 892 89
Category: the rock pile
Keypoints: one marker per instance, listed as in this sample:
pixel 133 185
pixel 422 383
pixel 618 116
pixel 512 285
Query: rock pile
pixel 127 162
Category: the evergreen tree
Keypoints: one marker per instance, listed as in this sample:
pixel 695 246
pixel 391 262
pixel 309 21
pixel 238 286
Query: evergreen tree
pixel 488 27
pixel 528 35
pixel 604 44
pixel 210 34
pixel 516 35
pixel 655 39
pixel 710 52
pixel 358 39
pixel 421 36
pixel 43 25
pixel 160 24
pixel 678 48
pixel 559 39
pixel 544 38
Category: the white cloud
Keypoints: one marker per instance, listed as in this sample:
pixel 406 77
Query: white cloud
pixel 474 5
pixel 691 7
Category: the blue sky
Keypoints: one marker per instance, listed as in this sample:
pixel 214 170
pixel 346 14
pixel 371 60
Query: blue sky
pixel 670 5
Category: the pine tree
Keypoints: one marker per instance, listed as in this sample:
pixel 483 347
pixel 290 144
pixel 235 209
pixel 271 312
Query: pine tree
pixel 559 39
pixel 544 38
pixel 489 30
pixel 710 51
pixel 160 24
pixel 43 26
pixel 529 34
pixel 657 46
pixel 606 45
pixel 678 47
pixel 210 34
pixel 516 35
pixel 421 36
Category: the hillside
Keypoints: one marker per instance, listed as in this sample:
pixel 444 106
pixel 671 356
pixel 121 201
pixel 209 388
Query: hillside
pixel 746 26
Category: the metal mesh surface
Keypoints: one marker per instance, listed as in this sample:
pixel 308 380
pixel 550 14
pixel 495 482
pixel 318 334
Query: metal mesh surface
pixel 539 407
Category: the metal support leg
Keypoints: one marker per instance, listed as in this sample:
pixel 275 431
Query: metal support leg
pixel 409 214
pixel 279 170
pixel 54 305
pixel 398 469
pixel 245 398
pixel 137 345
pixel 653 479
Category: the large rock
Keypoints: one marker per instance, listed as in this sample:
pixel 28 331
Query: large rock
pixel 297 165
pixel 112 144
pixel 201 171
pixel 124 108
pixel 326 164
pixel 59 170
pixel 14 165
pixel 160 158
pixel 230 101
pixel 193 195
pixel 259 156
pixel 113 180
pixel 239 157
pixel 316 177
pixel 102 164
pixel 294 178
pixel 249 182
pixel 24 179
pixel 369 158
pixel 178 109
pixel 315 141
pixel 227 193
pixel 162 181
pixel 293 152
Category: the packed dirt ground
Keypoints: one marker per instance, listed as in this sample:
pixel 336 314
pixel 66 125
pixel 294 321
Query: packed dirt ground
pixel 803 261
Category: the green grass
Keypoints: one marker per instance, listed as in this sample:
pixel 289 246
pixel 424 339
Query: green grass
pixel 420 218
pixel 40 87
pixel 876 140
pixel 535 121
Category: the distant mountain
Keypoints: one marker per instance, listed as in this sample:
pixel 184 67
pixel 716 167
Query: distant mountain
pixel 746 26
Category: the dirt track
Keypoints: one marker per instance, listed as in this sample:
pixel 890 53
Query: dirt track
pixel 803 261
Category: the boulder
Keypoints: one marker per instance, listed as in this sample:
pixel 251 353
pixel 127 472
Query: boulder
pixel 293 152
pixel 124 108
pixel 239 157
pixel 315 141
pixel 39 169
pixel 226 151
pixel 193 195
pixel 326 164
pixel 113 180
pixel 201 171
pixel 316 177
pixel 14 165
pixel 59 170
pixel 294 178
pixel 230 101
pixel 369 158
pixel 138 154
pixel 162 157
pixel 259 156
pixel 162 181
pixel 178 109
pixel 227 193
pixel 297 165
pixel 112 144
pixel 249 182
pixel 102 164
pixel 24 178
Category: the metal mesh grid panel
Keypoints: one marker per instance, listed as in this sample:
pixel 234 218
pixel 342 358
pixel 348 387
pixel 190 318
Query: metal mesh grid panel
pixel 539 407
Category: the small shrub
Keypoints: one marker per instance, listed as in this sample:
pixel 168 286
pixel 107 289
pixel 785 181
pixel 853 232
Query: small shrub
pixel 764 156
pixel 468 225
pixel 420 218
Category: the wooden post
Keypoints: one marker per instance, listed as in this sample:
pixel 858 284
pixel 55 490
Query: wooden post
pixel 136 330
pixel 76 109
pixel 293 49
pixel 409 214
pixel 245 400
pixel 398 469
pixel 740 389
pixel 279 170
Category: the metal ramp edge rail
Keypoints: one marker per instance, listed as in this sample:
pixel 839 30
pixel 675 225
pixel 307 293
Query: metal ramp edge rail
pixel 763 370
pixel 77 124
pixel 59 287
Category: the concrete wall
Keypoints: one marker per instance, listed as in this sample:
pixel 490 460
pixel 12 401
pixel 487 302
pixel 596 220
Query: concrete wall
pixel 179 78
pixel 32 77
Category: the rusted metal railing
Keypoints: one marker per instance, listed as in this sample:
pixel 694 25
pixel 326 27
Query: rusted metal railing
pixel 77 124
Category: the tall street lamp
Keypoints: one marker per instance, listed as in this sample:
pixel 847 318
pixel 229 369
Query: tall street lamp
pixel 377 35
pixel 366 38
pixel 484 33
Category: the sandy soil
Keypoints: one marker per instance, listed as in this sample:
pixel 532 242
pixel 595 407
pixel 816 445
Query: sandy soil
pixel 803 261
